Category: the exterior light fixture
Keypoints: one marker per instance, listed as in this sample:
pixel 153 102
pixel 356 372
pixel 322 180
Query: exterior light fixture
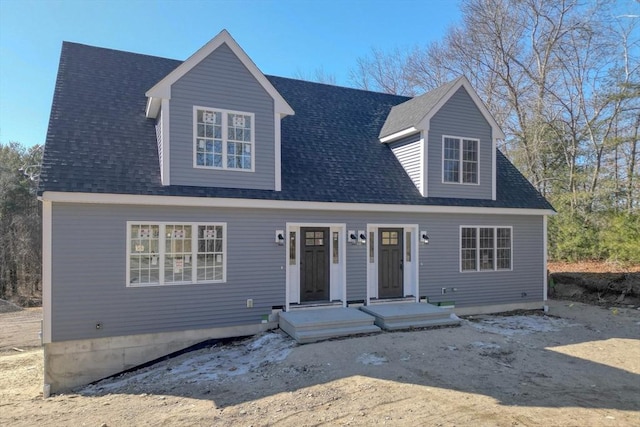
pixel 362 238
pixel 424 237
pixel 280 237
pixel 351 237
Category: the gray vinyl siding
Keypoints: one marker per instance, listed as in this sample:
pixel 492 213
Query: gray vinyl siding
pixel 89 267
pixel 221 81
pixel 459 117
pixel 408 153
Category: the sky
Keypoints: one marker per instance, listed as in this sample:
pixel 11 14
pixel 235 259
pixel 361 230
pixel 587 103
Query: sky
pixel 288 38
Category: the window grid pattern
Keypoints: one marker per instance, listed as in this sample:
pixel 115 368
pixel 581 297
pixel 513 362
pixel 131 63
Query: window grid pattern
pixel 389 238
pixel 223 139
pixel 485 248
pixel 164 254
pixel 239 141
pixel 503 248
pixel 469 161
pixel 210 252
pixel 460 160
pixel 314 238
pixel 209 138
pixel 144 265
pixel 469 248
pixel 451 160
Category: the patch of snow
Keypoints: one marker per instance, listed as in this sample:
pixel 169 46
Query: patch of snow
pixel 520 325
pixel 214 363
pixel 372 359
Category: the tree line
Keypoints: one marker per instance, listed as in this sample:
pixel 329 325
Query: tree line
pixel 20 223
pixel 562 77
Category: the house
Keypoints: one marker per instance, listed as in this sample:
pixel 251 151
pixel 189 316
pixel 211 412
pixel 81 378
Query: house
pixel 184 201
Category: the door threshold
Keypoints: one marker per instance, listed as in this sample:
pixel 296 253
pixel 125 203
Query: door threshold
pixel 390 300
pixel 318 304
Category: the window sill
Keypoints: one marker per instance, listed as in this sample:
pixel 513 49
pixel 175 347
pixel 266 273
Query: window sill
pixel 218 168
pixel 154 285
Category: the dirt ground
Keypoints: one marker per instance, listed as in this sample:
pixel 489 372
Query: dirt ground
pixel 581 368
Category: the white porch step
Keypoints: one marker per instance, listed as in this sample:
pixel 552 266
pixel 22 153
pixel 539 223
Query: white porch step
pixel 397 316
pixel 311 325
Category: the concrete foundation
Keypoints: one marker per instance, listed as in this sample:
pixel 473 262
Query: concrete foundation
pixel 69 364
pixel 498 308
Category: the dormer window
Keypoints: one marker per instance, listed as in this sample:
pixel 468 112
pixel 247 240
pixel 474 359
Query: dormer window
pixel 459 160
pixel 223 139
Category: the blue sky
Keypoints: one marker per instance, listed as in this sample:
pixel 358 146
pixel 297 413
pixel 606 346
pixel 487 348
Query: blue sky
pixel 283 37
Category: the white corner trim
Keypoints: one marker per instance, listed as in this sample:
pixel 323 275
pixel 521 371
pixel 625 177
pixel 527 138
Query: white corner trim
pixel 219 202
pixel 398 135
pixel 425 162
pixel 277 151
pixel 423 167
pixel 163 87
pixel 46 270
pixel 166 143
pixel 545 284
pixel 494 160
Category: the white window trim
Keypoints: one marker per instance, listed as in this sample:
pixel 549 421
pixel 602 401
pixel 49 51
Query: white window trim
pixel 161 253
pixel 495 249
pixel 460 138
pixel 225 138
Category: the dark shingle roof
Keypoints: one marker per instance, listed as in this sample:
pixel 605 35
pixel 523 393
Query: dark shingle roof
pixel 411 112
pixel 100 141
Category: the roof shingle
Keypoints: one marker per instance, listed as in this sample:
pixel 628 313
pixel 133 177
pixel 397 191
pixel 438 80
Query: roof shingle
pixel 99 140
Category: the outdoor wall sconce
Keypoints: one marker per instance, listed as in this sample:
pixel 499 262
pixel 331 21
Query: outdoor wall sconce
pixel 362 238
pixel 424 237
pixel 351 237
pixel 280 237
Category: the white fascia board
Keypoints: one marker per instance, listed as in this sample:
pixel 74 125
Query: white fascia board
pixel 464 82
pixel 161 88
pixel 398 135
pixel 215 202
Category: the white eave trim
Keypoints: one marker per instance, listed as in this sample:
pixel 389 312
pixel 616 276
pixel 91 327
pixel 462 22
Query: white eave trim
pixel 398 135
pixel 163 87
pixel 211 202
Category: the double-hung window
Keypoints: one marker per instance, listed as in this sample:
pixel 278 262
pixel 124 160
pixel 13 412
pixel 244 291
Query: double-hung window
pixel 459 160
pixel 175 253
pixel 485 248
pixel 223 139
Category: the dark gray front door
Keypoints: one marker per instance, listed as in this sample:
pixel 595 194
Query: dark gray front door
pixel 390 263
pixel 314 264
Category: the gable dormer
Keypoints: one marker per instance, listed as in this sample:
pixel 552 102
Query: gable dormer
pixel 446 142
pixel 218 120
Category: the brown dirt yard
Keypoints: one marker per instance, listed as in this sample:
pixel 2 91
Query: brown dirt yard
pixel 577 366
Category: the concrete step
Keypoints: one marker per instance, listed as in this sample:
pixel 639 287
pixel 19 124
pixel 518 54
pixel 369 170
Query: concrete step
pixel 415 324
pixel 320 324
pixel 395 316
pixel 305 337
